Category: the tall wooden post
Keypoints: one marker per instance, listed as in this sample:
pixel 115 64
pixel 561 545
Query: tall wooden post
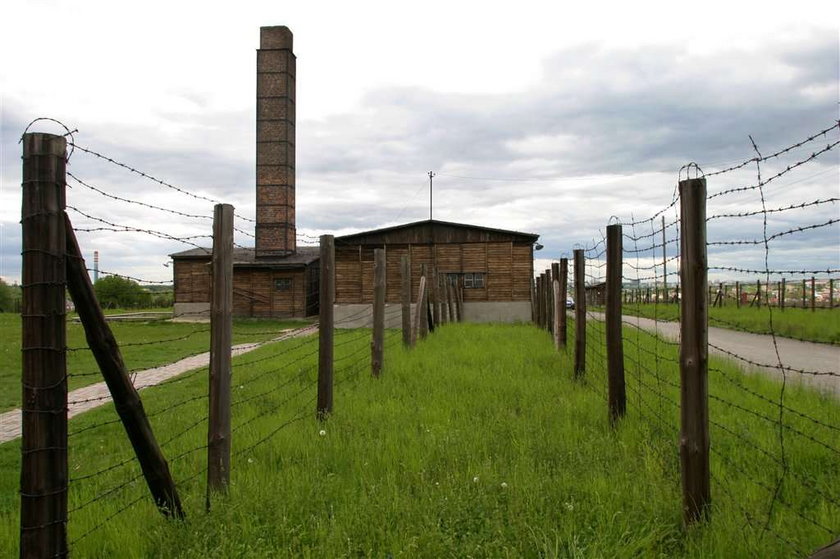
pixel 804 296
pixel 549 291
pixel 533 301
pixel 418 310
pixel 813 293
pixel 738 294
pixel 459 291
pixel 540 307
pixel 43 467
pixel 450 301
pixel 580 314
pixel 831 293
pixel 664 261
pixel 615 345
pixel 405 299
pixel 782 292
pixel 564 279
pixel 127 401
pixel 221 340
pixel 559 305
pixel 422 308
pixel 377 343
pixel 326 327
pixel 694 322
pixel 434 297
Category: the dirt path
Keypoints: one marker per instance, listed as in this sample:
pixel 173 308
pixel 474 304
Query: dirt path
pixel 95 395
pixel 758 348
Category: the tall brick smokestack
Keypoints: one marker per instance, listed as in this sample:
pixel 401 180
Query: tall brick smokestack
pixel 275 231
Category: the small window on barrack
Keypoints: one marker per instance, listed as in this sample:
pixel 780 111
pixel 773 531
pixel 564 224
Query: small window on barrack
pixel 282 284
pixel 474 280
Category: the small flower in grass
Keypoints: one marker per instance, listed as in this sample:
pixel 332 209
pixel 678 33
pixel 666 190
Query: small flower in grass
pixel 475 479
pixel 570 505
pixel 241 386
pixel 250 460
pixel 504 485
pixel 322 432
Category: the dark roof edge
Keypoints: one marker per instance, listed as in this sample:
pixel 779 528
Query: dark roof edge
pixel 532 236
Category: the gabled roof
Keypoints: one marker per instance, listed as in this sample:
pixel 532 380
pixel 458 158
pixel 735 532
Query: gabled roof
pixel 244 257
pixel 432 230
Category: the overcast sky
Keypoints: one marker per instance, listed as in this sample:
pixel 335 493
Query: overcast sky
pixel 544 117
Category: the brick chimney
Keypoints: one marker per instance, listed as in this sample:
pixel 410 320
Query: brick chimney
pixel 275 230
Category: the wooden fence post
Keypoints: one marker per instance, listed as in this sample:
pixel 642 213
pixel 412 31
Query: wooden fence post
pixel 435 298
pixel 459 291
pixel 43 466
pixel 549 290
pixel 423 306
pixel 615 345
pixel 813 293
pixel 580 314
pixel 377 343
pixel 694 321
pixel 559 305
pixel 418 314
pixel 831 293
pixel 405 299
pixel 804 295
pixel 221 340
pixel 533 301
pixel 450 301
pixel 127 401
pixel 782 291
pixel 326 327
pixel 538 300
pixel 564 278
pixel 738 294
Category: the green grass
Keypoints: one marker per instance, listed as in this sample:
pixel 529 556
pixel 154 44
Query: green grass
pixel 803 324
pixel 179 340
pixel 477 443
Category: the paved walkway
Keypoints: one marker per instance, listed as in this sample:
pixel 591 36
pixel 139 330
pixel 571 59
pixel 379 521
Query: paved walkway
pixel 95 395
pixel 758 348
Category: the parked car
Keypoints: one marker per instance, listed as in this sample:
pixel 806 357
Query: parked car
pixel 570 303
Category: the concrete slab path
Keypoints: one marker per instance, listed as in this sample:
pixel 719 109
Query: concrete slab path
pixel 822 361
pixel 95 395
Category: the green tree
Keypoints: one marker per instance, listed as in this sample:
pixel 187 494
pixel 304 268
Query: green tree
pixel 116 292
pixel 7 297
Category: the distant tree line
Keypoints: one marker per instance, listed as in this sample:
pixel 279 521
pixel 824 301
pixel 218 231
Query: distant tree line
pixel 115 292
pixel 9 297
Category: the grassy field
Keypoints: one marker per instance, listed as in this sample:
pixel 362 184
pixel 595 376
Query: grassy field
pixel 477 443
pixel 803 324
pixel 178 340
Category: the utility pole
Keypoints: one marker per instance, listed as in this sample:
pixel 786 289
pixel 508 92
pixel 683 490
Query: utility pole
pixel 431 176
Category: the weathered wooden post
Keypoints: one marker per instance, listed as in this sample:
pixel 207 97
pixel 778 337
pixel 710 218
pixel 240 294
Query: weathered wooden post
pixel 782 292
pixel 422 308
pixel 694 322
pixel 538 300
pixel 326 326
pixel 580 314
pixel 804 296
pixel 831 293
pixel 127 401
pixel 615 345
pixel 459 291
pixel 450 301
pixel 435 297
pixel 377 343
pixel 813 293
pixel 221 340
pixel 564 278
pixel 43 466
pixel 405 299
pixel 549 291
pixel 738 294
pixel 558 306
pixel 418 314
pixel 533 301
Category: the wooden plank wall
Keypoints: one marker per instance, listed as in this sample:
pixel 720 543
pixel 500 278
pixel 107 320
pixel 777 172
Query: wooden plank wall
pixel 507 266
pixel 192 281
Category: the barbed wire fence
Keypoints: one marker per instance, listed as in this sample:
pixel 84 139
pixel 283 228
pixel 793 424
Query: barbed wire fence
pixel 766 451
pixel 271 389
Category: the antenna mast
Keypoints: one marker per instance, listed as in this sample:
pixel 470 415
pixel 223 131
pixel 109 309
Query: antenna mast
pixel 431 176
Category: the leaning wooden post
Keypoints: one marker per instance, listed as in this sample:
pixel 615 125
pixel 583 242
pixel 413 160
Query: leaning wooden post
pixel 694 322
pixel 418 314
pixel 405 299
pixel 813 293
pixel 43 467
pixel 615 346
pixel 326 327
pixel 221 340
pixel 422 308
pixel 377 343
pixel 559 304
pixel 564 278
pixel 580 314
pixel 127 401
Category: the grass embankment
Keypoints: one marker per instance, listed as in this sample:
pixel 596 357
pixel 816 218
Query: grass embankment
pixel 822 325
pixel 178 340
pixel 477 443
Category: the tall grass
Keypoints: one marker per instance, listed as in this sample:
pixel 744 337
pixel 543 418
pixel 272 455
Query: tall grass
pixel 476 443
